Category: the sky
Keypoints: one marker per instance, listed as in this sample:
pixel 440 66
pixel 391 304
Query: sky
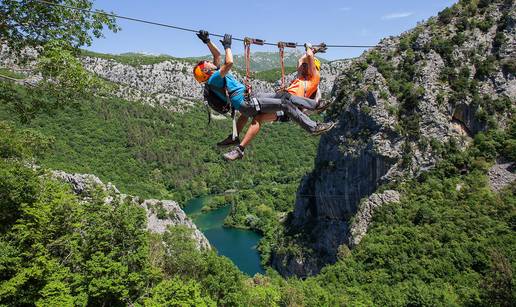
pixel 362 22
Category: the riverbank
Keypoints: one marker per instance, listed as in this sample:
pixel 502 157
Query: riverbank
pixel 237 244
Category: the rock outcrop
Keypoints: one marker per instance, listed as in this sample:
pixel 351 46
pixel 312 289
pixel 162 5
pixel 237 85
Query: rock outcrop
pixel 365 213
pixel 169 83
pixel 501 175
pixel 160 213
pixel 397 105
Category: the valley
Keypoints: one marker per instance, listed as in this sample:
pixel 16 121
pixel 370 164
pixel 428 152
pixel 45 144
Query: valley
pixel 113 190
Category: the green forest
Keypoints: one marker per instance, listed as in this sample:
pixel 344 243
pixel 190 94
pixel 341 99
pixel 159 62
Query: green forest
pixel 164 155
pixel 453 247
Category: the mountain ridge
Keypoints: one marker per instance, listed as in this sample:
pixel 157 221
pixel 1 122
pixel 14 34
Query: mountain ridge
pixel 398 106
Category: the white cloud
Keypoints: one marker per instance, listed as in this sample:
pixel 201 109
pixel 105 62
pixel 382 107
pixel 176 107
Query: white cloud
pixel 344 9
pixel 397 15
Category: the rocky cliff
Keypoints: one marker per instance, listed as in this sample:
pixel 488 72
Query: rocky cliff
pixel 160 213
pixel 168 83
pixel 397 105
pixel 172 80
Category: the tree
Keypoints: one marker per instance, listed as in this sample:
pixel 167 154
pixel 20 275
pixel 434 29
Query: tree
pixel 175 292
pixel 30 23
pixel 56 32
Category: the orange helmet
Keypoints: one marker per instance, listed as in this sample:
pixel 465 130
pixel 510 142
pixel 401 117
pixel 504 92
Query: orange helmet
pixel 200 73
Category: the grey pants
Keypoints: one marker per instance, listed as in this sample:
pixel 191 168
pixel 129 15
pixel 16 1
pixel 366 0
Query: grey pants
pixel 273 103
pixel 302 102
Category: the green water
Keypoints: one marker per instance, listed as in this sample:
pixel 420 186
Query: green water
pixel 237 244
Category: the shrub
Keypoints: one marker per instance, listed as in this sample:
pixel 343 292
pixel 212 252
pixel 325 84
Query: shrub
pixel 498 41
pixel 484 25
pixel 485 68
pixel 443 47
pixel 509 66
pixel 446 16
pixel 459 39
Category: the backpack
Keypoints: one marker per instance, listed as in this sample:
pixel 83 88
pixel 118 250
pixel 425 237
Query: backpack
pixel 221 106
pixel 213 101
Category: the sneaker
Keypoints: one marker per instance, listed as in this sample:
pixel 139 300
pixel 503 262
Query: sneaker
pixel 322 106
pixel 233 155
pixel 323 128
pixel 229 141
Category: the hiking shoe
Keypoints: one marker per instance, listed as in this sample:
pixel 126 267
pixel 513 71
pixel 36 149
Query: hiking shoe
pixel 322 106
pixel 229 141
pixel 233 155
pixel 323 128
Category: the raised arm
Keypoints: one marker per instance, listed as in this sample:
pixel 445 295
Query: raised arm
pixel 228 63
pixel 312 71
pixel 215 52
pixel 205 37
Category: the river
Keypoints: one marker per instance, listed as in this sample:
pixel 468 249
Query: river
pixel 239 245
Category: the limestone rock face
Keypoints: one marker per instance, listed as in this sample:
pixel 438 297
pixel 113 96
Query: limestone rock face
pixel 365 212
pixel 173 215
pixel 160 213
pixel 396 106
pixel 501 175
pixel 171 83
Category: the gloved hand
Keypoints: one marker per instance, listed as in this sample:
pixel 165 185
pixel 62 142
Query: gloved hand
pixel 204 36
pixel 308 46
pixel 226 41
pixel 321 48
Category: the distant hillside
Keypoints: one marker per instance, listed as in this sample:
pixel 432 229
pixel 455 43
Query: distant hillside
pixel 134 58
pixel 260 61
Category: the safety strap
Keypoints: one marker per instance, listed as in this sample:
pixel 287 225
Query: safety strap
pixel 281 47
pixel 247 55
pixel 233 117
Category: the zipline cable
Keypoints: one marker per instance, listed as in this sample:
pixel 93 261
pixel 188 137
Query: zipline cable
pixel 24 81
pixel 180 28
pixel 328 196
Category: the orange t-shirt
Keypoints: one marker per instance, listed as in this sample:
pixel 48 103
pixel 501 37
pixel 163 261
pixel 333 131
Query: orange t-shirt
pixel 304 88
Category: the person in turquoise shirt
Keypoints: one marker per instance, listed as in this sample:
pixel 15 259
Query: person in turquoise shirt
pixel 251 107
pixel 235 88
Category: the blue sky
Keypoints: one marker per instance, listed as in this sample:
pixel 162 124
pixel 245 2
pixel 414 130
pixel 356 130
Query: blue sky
pixel 333 22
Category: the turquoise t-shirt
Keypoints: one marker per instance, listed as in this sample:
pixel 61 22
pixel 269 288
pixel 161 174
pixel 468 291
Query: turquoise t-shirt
pixel 235 88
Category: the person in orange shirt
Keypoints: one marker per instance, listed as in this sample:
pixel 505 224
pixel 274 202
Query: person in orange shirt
pixel 308 75
pixel 305 85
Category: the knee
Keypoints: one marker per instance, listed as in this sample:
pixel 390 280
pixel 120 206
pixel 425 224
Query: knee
pixel 285 97
pixel 285 101
pixel 286 105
